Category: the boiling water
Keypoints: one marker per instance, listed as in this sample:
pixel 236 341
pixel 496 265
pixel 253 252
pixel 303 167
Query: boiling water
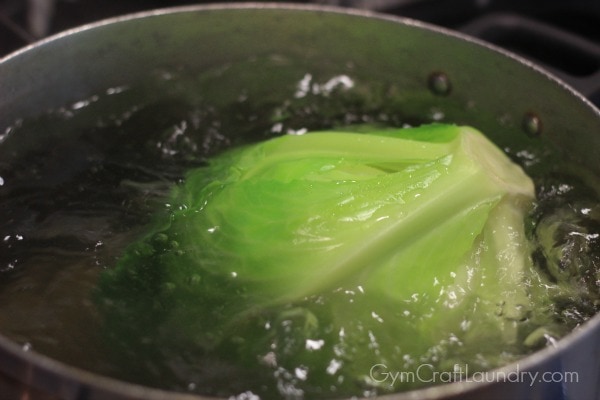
pixel 82 182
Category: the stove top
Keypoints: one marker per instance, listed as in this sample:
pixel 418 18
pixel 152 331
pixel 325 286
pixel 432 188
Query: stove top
pixel 562 36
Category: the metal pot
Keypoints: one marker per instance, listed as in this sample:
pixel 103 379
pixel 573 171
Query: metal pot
pixel 441 75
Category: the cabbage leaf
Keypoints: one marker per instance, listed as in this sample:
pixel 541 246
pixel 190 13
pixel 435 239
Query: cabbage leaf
pixel 306 260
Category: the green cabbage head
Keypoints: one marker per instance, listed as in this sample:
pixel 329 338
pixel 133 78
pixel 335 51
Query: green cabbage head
pixel 309 265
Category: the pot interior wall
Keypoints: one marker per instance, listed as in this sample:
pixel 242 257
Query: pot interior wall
pixel 487 89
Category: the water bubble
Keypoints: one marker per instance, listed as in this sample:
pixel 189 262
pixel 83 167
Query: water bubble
pixel 314 344
pixel 439 83
pixel 303 86
pixel 343 81
pixel 376 317
pixel 10 130
pixel 277 128
pixel 307 86
pixel 334 366
pixel 167 76
pixel 160 239
pixel 115 90
pixel 195 279
pixel 84 103
pixel 436 114
pixel 298 132
pixel 301 373
pixel 465 325
pixel 532 124
pixel 269 359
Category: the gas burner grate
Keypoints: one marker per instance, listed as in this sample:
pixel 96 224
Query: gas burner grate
pixel 573 58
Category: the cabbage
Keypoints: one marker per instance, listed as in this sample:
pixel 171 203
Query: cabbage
pixel 306 264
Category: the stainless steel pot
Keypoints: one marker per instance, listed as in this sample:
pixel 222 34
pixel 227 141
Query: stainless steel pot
pixel 442 74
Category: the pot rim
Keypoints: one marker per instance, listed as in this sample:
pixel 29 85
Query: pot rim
pixel 39 369
pixel 74 380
